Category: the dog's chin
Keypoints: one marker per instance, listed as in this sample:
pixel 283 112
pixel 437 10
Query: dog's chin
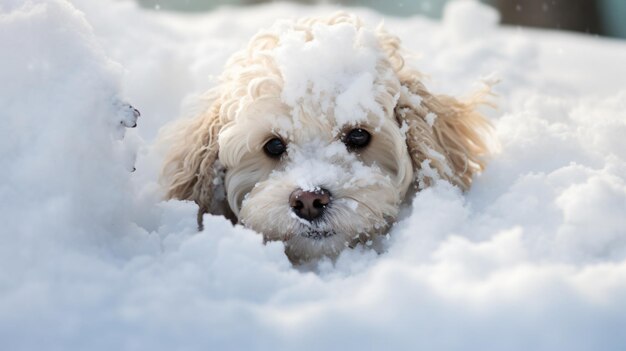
pixel 315 234
pixel 314 244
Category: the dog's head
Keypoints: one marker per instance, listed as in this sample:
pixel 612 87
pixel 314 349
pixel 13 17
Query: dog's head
pixel 317 133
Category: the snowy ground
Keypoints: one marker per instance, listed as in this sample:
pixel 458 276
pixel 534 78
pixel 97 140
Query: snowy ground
pixel 532 258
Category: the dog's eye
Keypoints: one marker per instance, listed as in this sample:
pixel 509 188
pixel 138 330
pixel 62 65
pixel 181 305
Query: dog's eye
pixel 274 148
pixel 357 138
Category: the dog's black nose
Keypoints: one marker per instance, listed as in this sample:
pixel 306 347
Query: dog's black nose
pixel 309 205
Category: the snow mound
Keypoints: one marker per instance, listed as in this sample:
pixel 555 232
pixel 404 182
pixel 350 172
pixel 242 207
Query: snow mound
pixel 469 20
pixel 332 68
pixel 533 257
pixel 66 170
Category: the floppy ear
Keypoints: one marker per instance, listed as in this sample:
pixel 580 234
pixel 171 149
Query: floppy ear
pixel 191 169
pixel 443 135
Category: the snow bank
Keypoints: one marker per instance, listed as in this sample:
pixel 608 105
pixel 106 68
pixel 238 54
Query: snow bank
pixel 534 257
pixel 65 172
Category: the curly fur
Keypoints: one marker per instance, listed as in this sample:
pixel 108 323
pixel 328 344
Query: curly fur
pixel 418 138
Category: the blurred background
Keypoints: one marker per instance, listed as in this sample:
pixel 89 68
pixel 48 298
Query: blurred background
pixel 596 17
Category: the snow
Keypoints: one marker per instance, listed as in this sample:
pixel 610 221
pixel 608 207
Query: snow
pixel 337 67
pixel 533 257
pixel 469 20
pixel 430 118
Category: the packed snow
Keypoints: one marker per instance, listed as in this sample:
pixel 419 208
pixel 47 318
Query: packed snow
pixel 347 83
pixel 532 257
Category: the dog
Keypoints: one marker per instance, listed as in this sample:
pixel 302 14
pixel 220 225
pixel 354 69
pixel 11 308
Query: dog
pixel 317 133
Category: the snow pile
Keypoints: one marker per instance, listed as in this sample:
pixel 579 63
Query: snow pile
pixel 533 257
pixel 62 121
pixel 337 68
pixel 469 20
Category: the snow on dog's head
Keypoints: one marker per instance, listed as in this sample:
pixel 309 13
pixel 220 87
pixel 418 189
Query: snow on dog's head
pixel 315 135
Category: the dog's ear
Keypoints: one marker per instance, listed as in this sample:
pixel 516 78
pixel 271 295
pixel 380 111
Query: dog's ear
pixel 443 135
pixel 191 168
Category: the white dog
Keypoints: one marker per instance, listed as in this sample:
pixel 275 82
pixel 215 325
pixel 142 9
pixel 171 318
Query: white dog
pixel 317 133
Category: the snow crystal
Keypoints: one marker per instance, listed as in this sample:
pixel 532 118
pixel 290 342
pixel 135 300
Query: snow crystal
pixel 414 99
pixel 430 118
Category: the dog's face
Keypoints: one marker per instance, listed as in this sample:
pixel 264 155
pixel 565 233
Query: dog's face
pixel 321 132
pixel 314 183
pixel 317 187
